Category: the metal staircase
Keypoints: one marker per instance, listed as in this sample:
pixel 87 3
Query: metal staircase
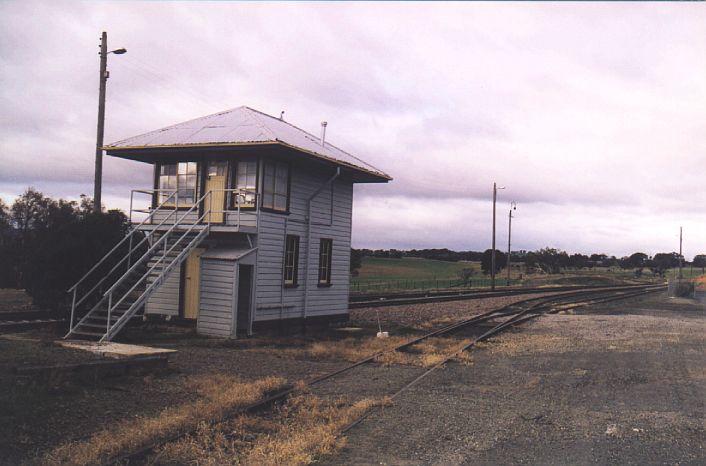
pixel 106 298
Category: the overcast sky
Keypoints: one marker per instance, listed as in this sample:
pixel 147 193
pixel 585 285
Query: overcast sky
pixel 593 116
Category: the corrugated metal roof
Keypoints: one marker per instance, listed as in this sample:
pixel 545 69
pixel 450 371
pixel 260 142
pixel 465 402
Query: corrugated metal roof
pixel 242 125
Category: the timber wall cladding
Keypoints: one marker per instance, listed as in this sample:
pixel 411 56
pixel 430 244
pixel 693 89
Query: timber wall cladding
pixel 331 218
pixel 165 299
pixel 217 297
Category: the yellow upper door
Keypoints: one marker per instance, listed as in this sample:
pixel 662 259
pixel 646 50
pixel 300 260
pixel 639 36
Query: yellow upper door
pixel 192 282
pixel 216 183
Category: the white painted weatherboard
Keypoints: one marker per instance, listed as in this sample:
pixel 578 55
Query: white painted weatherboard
pixel 217 297
pixel 329 220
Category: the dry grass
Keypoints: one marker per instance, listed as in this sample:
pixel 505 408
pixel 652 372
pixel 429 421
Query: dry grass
pixel 347 349
pixel 304 429
pixel 428 353
pixel 217 395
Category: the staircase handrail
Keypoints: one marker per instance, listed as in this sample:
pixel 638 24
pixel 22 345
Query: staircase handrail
pixel 134 229
pixel 108 293
pixel 74 303
pixel 164 237
pixel 118 323
pixel 143 258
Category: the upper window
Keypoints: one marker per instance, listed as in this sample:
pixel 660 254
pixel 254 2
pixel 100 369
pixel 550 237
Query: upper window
pixel 246 183
pixel 275 186
pixel 325 253
pixel 291 260
pixel 178 183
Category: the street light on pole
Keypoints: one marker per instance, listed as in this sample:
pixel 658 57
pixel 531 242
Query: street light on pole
pixel 492 252
pixel 98 177
pixel 513 206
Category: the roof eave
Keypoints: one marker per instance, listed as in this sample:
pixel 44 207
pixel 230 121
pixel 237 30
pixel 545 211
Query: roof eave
pixel 371 176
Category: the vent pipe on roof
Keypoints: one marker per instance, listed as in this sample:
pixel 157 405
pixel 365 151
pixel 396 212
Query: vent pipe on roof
pixel 323 132
pixel 281 115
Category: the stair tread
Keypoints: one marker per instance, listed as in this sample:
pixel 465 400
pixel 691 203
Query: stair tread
pixel 84 332
pixel 84 324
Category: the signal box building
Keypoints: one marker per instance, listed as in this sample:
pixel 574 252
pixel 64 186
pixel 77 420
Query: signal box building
pixel 248 223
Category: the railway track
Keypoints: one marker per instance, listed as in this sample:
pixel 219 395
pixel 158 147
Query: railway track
pixel 506 317
pixel 14 321
pixel 397 299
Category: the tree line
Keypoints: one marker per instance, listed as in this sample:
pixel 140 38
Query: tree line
pixel 548 260
pixel 46 245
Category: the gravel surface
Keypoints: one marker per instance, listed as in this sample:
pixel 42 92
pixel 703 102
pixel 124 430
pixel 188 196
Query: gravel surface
pixel 430 315
pixel 36 418
pixel 618 383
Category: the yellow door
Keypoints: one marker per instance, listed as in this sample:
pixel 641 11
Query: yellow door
pixel 216 183
pixel 192 280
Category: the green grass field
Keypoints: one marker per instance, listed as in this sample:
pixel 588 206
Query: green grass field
pixel 408 273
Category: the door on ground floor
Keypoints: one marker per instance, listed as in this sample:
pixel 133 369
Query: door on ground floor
pixel 192 282
pixel 245 282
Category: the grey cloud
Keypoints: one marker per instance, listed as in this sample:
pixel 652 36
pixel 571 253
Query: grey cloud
pixel 591 110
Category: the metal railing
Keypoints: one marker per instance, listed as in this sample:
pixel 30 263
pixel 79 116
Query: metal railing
pixel 129 239
pixel 167 215
pixel 237 200
pixel 161 243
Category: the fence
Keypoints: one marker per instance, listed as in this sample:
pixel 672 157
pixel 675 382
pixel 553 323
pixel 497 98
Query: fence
pixel 429 284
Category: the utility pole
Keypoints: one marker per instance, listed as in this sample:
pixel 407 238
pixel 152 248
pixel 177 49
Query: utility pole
pixel 513 206
pixel 492 252
pixel 680 255
pixel 103 78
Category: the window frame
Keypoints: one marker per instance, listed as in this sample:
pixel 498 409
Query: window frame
pixel 292 265
pixel 325 261
pixel 263 191
pixel 157 197
pixel 234 184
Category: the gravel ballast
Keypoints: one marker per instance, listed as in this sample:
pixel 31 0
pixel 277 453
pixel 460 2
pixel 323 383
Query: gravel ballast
pixel 618 383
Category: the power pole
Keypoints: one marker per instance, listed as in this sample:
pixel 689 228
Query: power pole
pixel 680 256
pixel 492 251
pixel 98 177
pixel 103 78
pixel 509 236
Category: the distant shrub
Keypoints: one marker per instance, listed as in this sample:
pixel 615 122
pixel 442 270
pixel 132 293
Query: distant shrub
pixel 684 288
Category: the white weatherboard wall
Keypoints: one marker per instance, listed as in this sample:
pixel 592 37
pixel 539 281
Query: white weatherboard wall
pixel 331 218
pixel 165 299
pixel 217 297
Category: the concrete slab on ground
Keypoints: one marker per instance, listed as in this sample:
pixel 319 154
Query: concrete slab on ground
pixel 114 350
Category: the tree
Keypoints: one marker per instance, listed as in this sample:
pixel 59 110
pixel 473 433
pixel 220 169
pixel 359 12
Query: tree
pixel 356 261
pixel 663 261
pixel 578 261
pixel 68 252
pixel 637 259
pixel 550 260
pixel 700 261
pixel 486 261
pixel 5 226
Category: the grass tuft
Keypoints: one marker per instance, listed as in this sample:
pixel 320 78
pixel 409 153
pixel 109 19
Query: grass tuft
pixel 217 395
pixel 303 430
pixel 428 353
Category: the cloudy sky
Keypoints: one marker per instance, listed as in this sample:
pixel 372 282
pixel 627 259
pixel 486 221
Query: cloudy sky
pixel 593 116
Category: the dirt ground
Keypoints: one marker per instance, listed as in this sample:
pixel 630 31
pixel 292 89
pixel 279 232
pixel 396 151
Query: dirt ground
pixel 621 383
pixel 36 417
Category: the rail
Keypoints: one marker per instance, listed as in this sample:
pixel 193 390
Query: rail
pixel 237 200
pixel 166 250
pixel 129 238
